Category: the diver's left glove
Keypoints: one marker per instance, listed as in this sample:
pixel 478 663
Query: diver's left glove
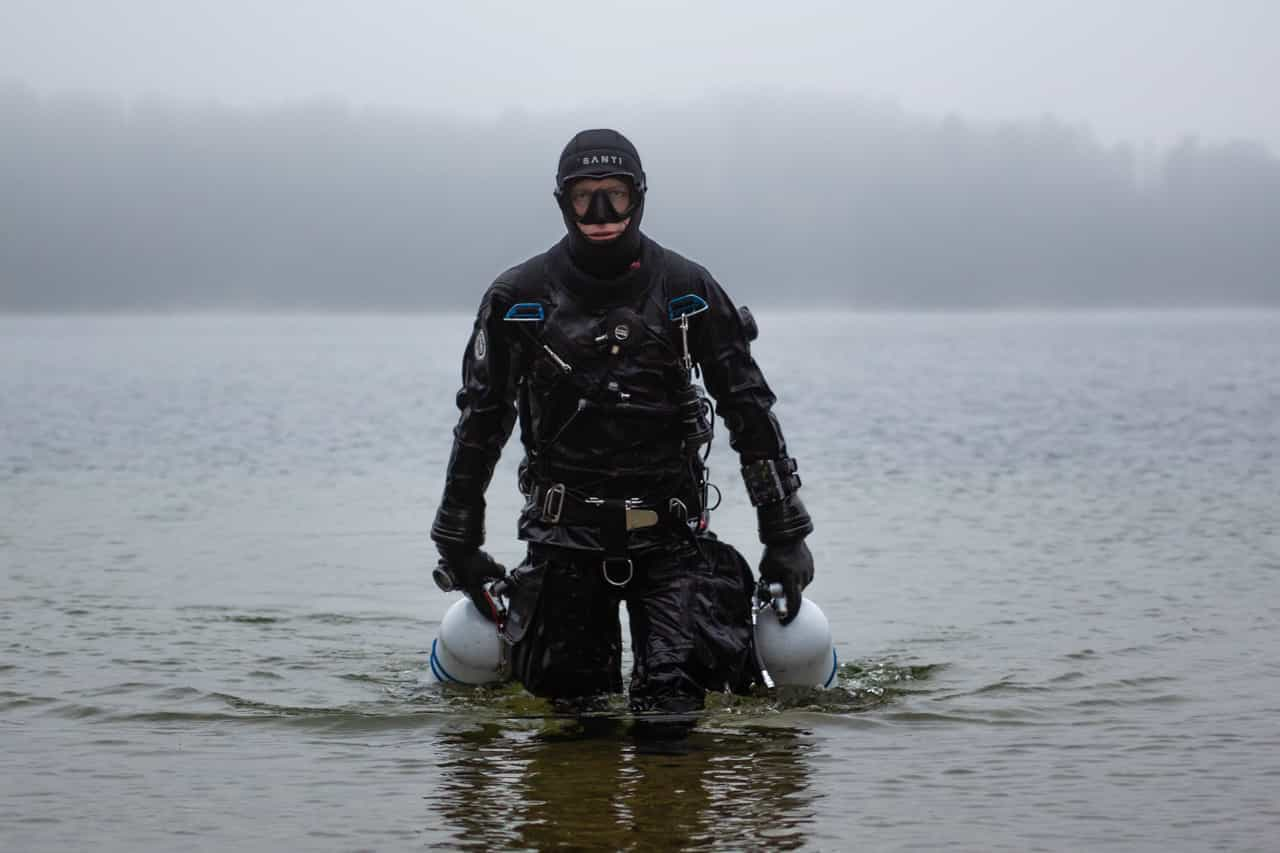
pixel 458 531
pixel 470 570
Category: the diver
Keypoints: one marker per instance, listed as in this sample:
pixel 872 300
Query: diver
pixel 594 347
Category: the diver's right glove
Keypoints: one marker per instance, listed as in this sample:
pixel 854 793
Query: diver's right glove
pixel 791 565
pixel 469 570
pixel 783 524
pixel 772 485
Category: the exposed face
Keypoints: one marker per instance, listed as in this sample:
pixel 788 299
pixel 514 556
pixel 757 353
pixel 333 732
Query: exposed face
pixel 619 193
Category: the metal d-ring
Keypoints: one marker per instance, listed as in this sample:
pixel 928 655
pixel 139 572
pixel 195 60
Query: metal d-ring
pixel 719 497
pixel 604 570
pixel 677 508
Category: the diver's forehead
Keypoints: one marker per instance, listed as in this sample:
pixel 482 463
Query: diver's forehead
pixel 592 184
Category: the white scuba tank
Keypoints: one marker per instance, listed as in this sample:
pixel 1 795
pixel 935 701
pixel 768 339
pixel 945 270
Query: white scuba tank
pixel 468 649
pixel 798 654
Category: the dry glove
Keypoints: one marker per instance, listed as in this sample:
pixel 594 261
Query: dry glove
pixel 469 570
pixel 789 564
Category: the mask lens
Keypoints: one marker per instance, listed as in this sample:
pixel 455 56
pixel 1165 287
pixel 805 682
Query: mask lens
pixel 581 200
pixel 618 198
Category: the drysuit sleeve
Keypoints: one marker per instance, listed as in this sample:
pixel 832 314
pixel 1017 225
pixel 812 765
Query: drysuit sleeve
pixel 486 403
pixel 721 346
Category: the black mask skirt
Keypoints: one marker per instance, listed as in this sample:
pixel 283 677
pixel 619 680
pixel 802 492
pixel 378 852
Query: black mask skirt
pixel 601 154
pixel 603 260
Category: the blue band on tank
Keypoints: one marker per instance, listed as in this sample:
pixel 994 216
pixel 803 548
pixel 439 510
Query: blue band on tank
pixel 830 678
pixel 437 669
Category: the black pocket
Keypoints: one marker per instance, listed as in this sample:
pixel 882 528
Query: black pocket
pixel 722 607
pixel 522 599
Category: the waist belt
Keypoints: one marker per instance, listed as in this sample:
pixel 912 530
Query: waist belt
pixel 614 518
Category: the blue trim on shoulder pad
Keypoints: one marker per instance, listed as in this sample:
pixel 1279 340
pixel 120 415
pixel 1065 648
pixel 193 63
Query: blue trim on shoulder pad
pixel 525 312
pixel 686 306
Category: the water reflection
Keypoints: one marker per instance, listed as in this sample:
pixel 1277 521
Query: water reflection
pixel 745 788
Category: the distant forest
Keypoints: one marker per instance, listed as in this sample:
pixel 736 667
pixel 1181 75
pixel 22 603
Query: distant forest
pixel 790 200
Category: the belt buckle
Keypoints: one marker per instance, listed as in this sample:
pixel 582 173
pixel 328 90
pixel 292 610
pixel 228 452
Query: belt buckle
pixel 639 518
pixel 553 504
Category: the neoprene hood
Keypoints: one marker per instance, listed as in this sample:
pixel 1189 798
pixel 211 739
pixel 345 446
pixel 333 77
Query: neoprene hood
pixel 601 153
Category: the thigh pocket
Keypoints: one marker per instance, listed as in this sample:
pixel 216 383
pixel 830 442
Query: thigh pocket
pixel 522 599
pixel 722 607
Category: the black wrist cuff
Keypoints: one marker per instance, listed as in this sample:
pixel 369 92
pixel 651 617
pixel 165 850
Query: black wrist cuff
pixel 458 527
pixel 783 521
pixel 770 480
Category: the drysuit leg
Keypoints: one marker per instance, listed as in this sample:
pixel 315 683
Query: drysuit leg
pixel 570 648
pixel 665 676
pixel 691 632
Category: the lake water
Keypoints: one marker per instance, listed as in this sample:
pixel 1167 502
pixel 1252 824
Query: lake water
pixel 1049 548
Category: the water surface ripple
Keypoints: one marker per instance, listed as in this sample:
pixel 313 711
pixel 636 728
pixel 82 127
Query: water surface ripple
pixel 1048 546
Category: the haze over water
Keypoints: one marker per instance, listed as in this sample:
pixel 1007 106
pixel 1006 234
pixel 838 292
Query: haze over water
pixel 1047 545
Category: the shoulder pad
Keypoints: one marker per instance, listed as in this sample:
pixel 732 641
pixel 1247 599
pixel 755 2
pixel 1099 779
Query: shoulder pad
pixel 686 276
pixel 526 281
pixel 679 267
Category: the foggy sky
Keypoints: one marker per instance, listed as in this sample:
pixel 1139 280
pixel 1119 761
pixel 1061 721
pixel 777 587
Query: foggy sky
pixel 1133 70
pixel 791 200
pixel 397 154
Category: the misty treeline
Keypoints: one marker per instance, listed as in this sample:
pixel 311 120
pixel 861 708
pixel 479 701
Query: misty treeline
pixel 798 200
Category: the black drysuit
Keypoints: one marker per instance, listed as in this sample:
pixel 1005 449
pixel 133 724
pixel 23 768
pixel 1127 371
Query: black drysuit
pixel 594 371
